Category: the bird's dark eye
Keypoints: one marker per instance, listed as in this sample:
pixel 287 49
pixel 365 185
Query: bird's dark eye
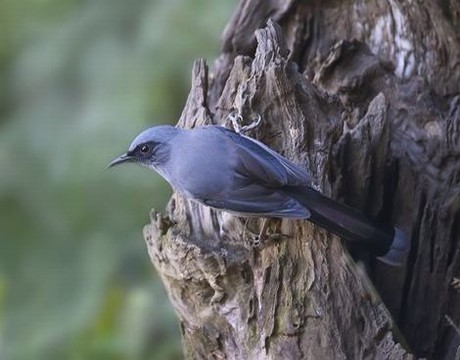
pixel 145 149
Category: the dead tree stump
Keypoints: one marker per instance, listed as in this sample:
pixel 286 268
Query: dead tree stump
pixel 364 94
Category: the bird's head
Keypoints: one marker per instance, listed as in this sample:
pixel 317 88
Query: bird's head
pixel 150 148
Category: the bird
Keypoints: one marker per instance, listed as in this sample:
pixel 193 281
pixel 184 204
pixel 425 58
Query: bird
pixel 229 171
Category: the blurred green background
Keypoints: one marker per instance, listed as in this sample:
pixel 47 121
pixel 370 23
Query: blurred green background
pixel 78 80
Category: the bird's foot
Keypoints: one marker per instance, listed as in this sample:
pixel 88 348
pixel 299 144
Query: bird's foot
pixel 237 122
pixel 260 240
pixel 264 237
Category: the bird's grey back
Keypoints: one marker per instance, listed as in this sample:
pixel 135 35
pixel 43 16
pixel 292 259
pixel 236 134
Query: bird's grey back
pixel 271 166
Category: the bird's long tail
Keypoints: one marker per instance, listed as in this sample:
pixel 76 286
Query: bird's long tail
pixel 387 242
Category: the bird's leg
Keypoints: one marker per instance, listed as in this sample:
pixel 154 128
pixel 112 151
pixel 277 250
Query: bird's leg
pixel 236 119
pixel 259 239
pixel 253 239
pixel 237 122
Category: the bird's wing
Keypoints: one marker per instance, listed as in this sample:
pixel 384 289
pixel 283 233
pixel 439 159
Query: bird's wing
pixel 256 200
pixel 262 163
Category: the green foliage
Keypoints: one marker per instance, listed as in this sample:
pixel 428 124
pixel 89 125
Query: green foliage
pixel 78 80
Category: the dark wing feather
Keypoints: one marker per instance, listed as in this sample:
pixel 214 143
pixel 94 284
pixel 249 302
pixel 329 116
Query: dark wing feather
pixel 257 200
pixel 258 176
pixel 265 165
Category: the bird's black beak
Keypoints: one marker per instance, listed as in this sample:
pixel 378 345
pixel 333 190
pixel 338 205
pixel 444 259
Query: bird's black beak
pixel 120 160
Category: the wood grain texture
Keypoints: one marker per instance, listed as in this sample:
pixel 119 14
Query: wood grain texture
pixel 379 137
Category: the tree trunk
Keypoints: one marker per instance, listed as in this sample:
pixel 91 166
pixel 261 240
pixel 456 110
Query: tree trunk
pixel 365 95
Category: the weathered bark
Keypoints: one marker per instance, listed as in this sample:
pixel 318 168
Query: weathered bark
pixel 381 137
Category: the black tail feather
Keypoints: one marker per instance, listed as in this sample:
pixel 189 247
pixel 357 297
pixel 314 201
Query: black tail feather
pixel 388 243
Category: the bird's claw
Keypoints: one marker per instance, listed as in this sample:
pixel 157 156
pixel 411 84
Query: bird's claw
pixel 237 122
pixel 259 240
pixel 255 241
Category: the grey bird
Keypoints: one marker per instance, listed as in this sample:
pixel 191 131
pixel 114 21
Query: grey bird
pixel 226 170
